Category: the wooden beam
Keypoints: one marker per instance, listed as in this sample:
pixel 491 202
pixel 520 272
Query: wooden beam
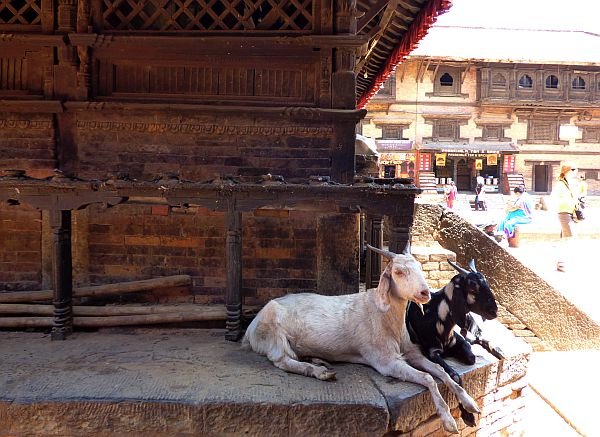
pixel 100 290
pixel 370 14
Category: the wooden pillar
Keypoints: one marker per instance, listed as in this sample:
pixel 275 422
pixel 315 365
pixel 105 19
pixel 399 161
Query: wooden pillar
pixel 400 227
pixel 60 222
pixel 233 296
pixel 375 239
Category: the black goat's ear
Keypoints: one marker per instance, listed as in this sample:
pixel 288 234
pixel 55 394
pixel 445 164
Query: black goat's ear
pixel 406 250
pixel 472 266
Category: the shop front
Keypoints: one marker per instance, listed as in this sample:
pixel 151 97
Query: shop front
pixel 466 164
pixel 397 159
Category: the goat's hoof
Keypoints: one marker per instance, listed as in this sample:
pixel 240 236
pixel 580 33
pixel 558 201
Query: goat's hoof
pixel 450 425
pixel 468 418
pixel 320 362
pixel 327 376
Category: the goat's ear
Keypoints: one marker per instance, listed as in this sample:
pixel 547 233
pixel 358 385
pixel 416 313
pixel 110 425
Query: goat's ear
pixel 406 250
pixel 382 294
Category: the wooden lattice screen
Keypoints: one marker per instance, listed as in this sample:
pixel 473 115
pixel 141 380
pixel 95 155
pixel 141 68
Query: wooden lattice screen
pixel 20 12
pixel 215 15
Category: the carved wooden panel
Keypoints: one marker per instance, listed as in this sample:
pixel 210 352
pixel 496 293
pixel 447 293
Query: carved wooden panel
pixel 23 73
pixel 213 15
pixel 285 83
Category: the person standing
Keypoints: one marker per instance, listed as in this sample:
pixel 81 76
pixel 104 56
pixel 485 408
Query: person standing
pixel 480 198
pixel 451 195
pixel 565 199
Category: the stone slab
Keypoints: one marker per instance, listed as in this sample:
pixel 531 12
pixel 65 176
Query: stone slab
pixel 184 382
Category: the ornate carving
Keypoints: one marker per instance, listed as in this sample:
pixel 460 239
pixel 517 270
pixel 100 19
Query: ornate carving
pixel 67 15
pixel 192 15
pixel 11 123
pixel 345 17
pixel 83 76
pixel 202 129
pixel 83 16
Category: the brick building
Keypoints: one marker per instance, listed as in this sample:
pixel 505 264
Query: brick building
pixel 215 140
pixel 509 105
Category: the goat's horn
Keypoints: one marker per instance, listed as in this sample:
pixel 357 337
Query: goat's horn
pixel 472 266
pixel 385 253
pixel 457 268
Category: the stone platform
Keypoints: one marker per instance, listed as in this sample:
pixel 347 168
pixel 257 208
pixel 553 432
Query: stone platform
pixel 193 382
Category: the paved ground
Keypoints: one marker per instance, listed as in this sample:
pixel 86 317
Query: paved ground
pixel 564 383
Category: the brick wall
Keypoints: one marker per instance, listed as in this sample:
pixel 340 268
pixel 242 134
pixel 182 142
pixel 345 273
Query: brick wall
pixel 434 259
pixel 20 248
pixel 130 242
pixel 27 142
pixel 200 148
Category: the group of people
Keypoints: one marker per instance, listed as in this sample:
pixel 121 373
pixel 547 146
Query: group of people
pixel 567 197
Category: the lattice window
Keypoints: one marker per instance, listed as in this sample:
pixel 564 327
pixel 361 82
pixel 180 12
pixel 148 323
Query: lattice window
pixel 543 130
pixel 446 130
pixel 391 132
pixel 493 132
pixel 20 12
pixel 186 15
pixel 591 134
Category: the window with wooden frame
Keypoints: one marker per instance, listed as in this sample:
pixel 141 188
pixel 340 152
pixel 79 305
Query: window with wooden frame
pixel 446 130
pixel 590 134
pixel 525 82
pixel 391 132
pixel 388 91
pixel 447 82
pixel 492 132
pixel 578 83
pixel 551 82
pixel 498 81
pixel 542 130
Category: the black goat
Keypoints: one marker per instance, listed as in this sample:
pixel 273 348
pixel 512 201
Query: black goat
pixel 432 326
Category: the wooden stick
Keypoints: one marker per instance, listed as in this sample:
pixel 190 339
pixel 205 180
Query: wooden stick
pixel 100 290
pixel 106 321
pixel 112 310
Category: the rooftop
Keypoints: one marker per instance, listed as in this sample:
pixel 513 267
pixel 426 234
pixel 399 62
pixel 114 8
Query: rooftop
pixel 510 45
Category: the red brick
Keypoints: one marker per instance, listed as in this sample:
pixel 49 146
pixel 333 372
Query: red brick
pixel 160 210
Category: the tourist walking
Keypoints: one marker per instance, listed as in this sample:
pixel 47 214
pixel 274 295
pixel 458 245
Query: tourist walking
pixel 565 198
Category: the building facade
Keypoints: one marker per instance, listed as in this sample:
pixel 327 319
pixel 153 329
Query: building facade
pixel 511 122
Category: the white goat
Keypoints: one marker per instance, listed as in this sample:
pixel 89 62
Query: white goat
pixel 365 328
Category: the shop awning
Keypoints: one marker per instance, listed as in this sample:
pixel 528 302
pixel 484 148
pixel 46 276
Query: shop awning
pixel 469 149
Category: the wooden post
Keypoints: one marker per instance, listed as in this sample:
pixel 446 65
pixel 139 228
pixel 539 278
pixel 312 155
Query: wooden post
pixel 400 228
pixel 233 295
pixel 375 239
pixel 62 276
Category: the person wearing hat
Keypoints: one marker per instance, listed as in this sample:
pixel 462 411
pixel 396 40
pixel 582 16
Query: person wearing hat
pixel 565 198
